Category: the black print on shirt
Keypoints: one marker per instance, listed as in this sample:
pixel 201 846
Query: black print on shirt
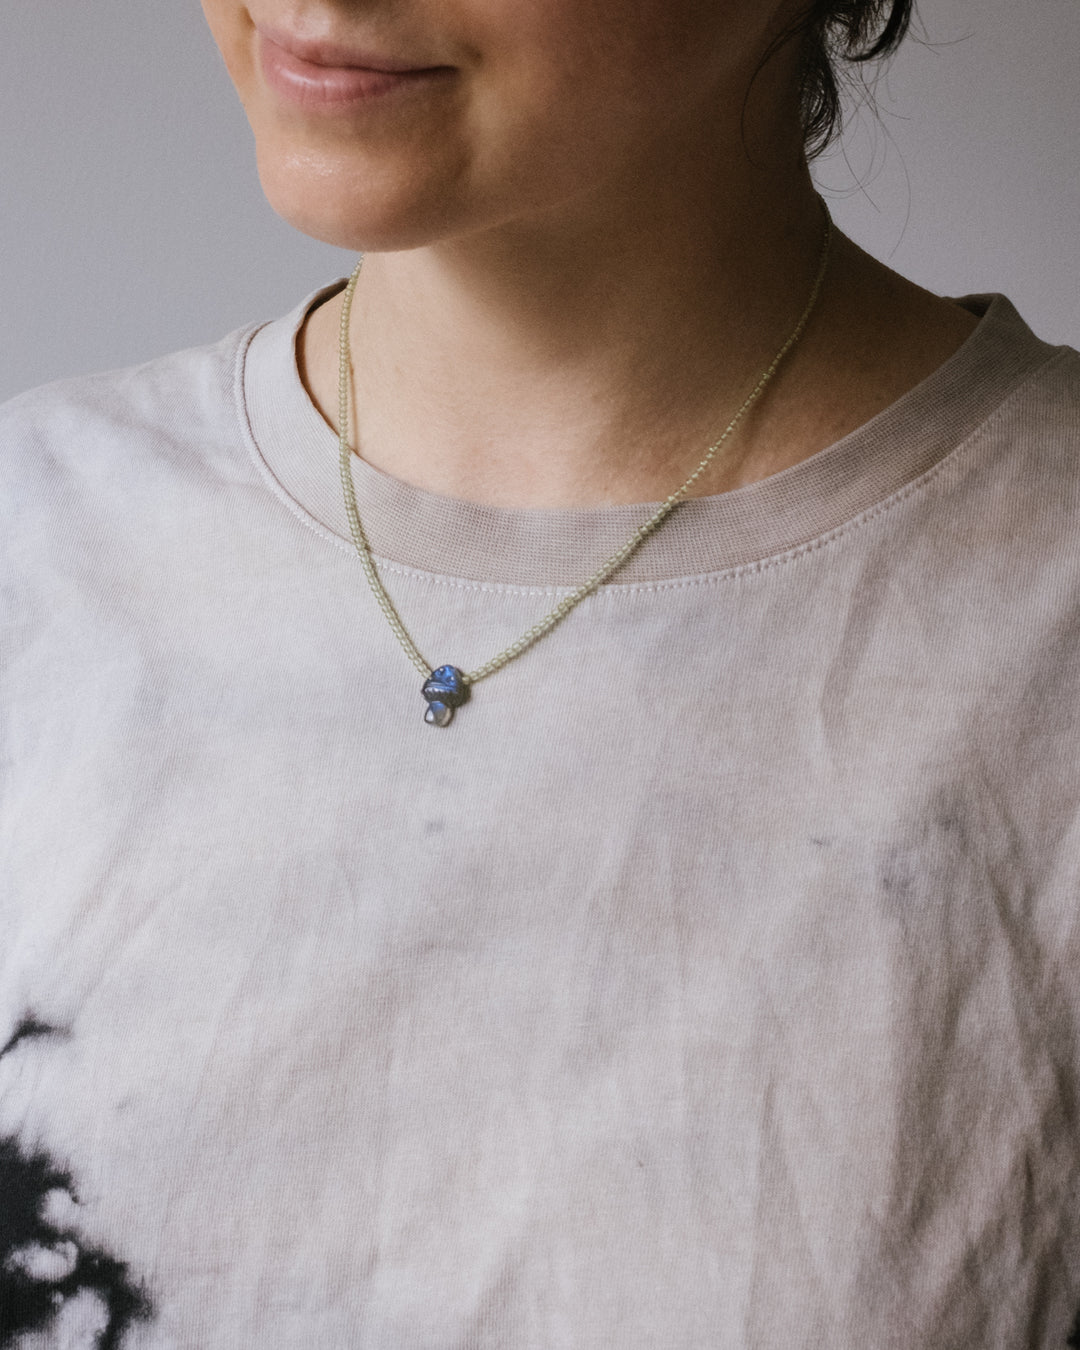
pixel 43 1265
pixel 1074 1336
pixel 27 1028
pixel 49 1278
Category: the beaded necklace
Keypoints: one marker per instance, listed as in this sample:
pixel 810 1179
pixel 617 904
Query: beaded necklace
pixel 447 687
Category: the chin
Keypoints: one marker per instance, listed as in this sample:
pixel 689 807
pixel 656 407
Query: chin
pixel 372 210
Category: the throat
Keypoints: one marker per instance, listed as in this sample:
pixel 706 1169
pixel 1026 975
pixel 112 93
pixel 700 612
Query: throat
pixel 631 431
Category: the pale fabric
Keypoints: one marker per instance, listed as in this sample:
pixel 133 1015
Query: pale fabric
pixel 712 983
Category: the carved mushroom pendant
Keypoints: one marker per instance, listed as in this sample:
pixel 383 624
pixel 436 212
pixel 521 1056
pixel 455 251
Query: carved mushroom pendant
pixel 445 689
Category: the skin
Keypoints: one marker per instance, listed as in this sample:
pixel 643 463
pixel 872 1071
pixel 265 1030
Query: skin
pixel 585 239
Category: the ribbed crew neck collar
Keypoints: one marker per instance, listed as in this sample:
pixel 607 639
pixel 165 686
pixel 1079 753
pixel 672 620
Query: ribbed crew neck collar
pixel 298 453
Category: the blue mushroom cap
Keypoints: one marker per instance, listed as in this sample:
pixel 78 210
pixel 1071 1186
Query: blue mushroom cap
pixel 447 685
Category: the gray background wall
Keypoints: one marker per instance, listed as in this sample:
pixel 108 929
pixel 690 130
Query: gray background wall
pixel 131 220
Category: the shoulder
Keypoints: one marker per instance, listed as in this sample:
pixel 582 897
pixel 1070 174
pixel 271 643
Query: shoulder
pixel 1039 382
pixel 93 428
pixel 103 475
pixel 1007 411
pixel 988 527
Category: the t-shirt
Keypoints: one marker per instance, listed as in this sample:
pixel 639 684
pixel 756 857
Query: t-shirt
pixel 711 982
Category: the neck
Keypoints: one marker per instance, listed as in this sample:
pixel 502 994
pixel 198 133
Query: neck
pixel 593 360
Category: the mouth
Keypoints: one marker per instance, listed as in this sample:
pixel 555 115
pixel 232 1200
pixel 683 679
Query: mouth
pixel 315 73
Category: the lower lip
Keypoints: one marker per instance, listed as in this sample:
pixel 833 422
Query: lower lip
pixel 334 87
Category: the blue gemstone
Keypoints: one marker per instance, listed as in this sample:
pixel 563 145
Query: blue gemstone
pixel 446 685
pixel 445 689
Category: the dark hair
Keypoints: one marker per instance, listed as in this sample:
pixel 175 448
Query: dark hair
pixel 832 33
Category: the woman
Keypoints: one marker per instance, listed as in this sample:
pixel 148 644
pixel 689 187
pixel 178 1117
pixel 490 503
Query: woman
pixel 688 964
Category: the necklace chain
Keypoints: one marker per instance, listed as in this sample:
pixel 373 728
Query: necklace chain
pixel 569 602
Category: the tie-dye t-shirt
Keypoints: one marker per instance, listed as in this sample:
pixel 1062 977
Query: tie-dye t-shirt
pixel 711 982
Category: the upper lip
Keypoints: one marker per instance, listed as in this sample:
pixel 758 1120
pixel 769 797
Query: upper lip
pixel 324 52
